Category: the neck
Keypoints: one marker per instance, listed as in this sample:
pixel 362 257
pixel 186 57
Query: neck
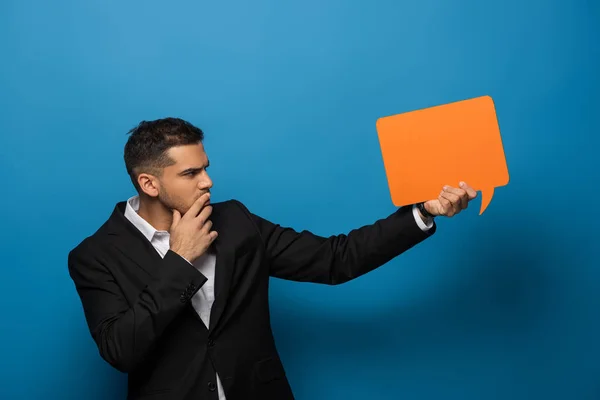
pixel 155 213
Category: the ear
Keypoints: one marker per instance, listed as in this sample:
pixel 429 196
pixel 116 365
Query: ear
pixel 149 184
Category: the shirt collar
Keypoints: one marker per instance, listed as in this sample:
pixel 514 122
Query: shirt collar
pixel 133 205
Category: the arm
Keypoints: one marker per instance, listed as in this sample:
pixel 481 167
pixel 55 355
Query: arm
pixel 304 256
pixel 125 333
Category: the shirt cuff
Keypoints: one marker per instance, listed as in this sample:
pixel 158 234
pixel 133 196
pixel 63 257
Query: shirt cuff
pixel 424 225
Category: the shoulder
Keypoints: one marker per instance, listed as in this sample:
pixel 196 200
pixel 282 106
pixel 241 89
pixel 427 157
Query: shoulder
pixel 93 244
pixel 229 204
pixel 231 208
pixel 87 249
pixel 231 218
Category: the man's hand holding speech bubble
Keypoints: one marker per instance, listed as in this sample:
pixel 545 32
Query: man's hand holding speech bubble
pixel 464 154
pixel 451 200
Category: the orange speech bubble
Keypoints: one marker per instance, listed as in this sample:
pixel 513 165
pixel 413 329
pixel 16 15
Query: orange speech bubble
pixel 424 150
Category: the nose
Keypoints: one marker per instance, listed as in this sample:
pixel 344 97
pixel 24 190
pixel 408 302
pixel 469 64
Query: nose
pixel 205 182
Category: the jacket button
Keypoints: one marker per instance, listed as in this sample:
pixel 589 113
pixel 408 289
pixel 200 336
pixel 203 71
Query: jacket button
pixel 211 343
pixel 211 386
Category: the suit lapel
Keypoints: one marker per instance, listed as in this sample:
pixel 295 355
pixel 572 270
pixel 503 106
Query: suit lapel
pixel 130 242
pixel 224 268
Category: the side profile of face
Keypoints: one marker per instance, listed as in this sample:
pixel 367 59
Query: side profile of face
pixel 183 182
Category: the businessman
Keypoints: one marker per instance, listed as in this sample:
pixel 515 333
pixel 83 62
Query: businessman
pixel 174 287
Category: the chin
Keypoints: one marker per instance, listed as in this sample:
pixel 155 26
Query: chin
pixel 183 210
pixel 172 207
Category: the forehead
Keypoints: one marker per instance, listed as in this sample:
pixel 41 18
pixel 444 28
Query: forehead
pixel 192 155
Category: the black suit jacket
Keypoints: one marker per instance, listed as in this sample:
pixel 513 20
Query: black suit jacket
pixel 137 304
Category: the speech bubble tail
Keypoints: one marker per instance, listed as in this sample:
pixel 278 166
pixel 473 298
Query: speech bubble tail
pixel 486 198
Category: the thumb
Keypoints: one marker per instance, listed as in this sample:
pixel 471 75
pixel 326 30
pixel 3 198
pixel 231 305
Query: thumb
pixel 433 206
pixel 176 219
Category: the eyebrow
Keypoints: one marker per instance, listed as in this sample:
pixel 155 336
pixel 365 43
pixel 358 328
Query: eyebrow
pixel 196 169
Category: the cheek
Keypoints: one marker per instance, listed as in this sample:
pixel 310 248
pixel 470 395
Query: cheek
pixel 172 190
pixel 187 191
pixel 183 190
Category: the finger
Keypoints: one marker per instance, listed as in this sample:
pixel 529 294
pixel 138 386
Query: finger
pixel 207 226
pixel 454 202
pixel 445 205
pixel 197 206
pixel 461 193
pixel 472 193
pixel 213 235
pixel 453 199
pixel 176 218
pixel 204 214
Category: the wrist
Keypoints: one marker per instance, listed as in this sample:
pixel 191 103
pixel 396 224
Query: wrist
pixel 177 251
pixel 426 220
pixel 423 213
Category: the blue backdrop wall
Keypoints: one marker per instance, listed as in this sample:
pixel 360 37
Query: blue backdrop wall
pixel 499 306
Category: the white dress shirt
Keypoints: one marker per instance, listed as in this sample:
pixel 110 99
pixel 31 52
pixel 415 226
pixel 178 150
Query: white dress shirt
pixel 203 300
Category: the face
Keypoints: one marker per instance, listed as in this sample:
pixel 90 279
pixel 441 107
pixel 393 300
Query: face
pixel 183 182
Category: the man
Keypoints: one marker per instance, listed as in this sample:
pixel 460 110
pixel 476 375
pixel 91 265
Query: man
pixel 175 288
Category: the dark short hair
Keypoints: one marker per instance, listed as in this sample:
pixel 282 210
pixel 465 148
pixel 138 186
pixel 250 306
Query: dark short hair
pixel 148 143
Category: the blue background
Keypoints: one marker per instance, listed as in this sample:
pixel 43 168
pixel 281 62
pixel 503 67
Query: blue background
pixel 499 306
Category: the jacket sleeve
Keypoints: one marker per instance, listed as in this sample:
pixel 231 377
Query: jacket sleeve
pixel 125 333
pixel 304 256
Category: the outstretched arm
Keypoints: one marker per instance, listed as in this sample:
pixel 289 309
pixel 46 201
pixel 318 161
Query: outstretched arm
pixel 304 256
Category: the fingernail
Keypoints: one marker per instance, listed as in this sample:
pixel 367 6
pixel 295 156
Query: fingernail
pixel 446 187
pixel 462 184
